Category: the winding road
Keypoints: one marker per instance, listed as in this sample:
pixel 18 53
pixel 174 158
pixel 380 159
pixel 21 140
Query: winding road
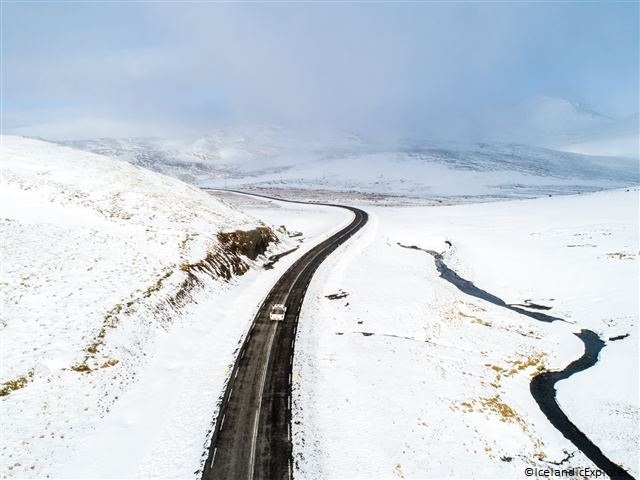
pixel 252 435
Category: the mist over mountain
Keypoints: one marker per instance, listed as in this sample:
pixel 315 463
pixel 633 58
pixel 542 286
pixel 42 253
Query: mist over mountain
pixel 560 124
pixel 527 157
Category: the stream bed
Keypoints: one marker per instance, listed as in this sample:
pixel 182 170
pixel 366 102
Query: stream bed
pixel 543 385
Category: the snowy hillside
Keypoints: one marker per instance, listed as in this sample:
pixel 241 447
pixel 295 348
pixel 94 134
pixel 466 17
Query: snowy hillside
pixel 99 259
pixel 228 153
pixel 620 138
pixel 562 125
pixel 399 374
pixel 549 120
pixel 494 171
pixel 272 158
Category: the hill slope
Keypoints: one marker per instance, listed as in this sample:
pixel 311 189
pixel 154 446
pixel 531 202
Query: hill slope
pixel 99 258
pixel 275 158
pixel 562 125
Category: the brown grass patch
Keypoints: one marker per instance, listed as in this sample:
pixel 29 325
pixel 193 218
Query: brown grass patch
pixel 506 413
pixel 15 384
pixel 110 363
pixel 81 367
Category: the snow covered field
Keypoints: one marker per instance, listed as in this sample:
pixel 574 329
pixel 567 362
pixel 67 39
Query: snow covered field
pixel 406 376
pixel 115 344
pixel 109 372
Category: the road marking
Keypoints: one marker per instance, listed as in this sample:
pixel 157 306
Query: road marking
pixel 222 422
pixel 215 450
pixel 253 445
pixel 313 258
pixel 236 374
pixel 254 440
pixel 302 280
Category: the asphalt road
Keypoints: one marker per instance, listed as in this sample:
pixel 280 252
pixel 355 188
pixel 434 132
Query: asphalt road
pixel 252 436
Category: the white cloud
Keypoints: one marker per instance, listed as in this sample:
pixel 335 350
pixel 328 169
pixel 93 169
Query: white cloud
pixel 401 67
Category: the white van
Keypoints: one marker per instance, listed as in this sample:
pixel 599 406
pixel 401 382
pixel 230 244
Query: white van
pixel 278 311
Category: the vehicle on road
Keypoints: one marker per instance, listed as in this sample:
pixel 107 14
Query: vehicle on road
pixel 278 311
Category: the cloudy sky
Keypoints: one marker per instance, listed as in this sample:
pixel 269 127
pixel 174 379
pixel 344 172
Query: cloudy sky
pixel 73 70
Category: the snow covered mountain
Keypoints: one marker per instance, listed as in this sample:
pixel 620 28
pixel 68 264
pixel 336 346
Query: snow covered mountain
pixel 559 124
pixel 549 119
pixel 223 153
pixel 619 138
pixel 497 171
pixel 272 158
pixel 99 259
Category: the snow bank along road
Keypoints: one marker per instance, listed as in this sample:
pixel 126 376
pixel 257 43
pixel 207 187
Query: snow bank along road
pixel 252 436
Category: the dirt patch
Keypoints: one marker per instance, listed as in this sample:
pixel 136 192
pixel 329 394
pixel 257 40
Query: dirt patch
pixel 504 411
pixel 289 233
pixel 495 405
pixel 477 320
pixel 81 367
pixel 109 363
pixel 621 255
pixel 618 337
pixel 336 296
pixel 517 365
pixel 274 258
pixel 249 243
pixel 15 384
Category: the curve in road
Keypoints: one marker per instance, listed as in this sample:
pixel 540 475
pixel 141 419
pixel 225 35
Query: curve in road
pixel 252 435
